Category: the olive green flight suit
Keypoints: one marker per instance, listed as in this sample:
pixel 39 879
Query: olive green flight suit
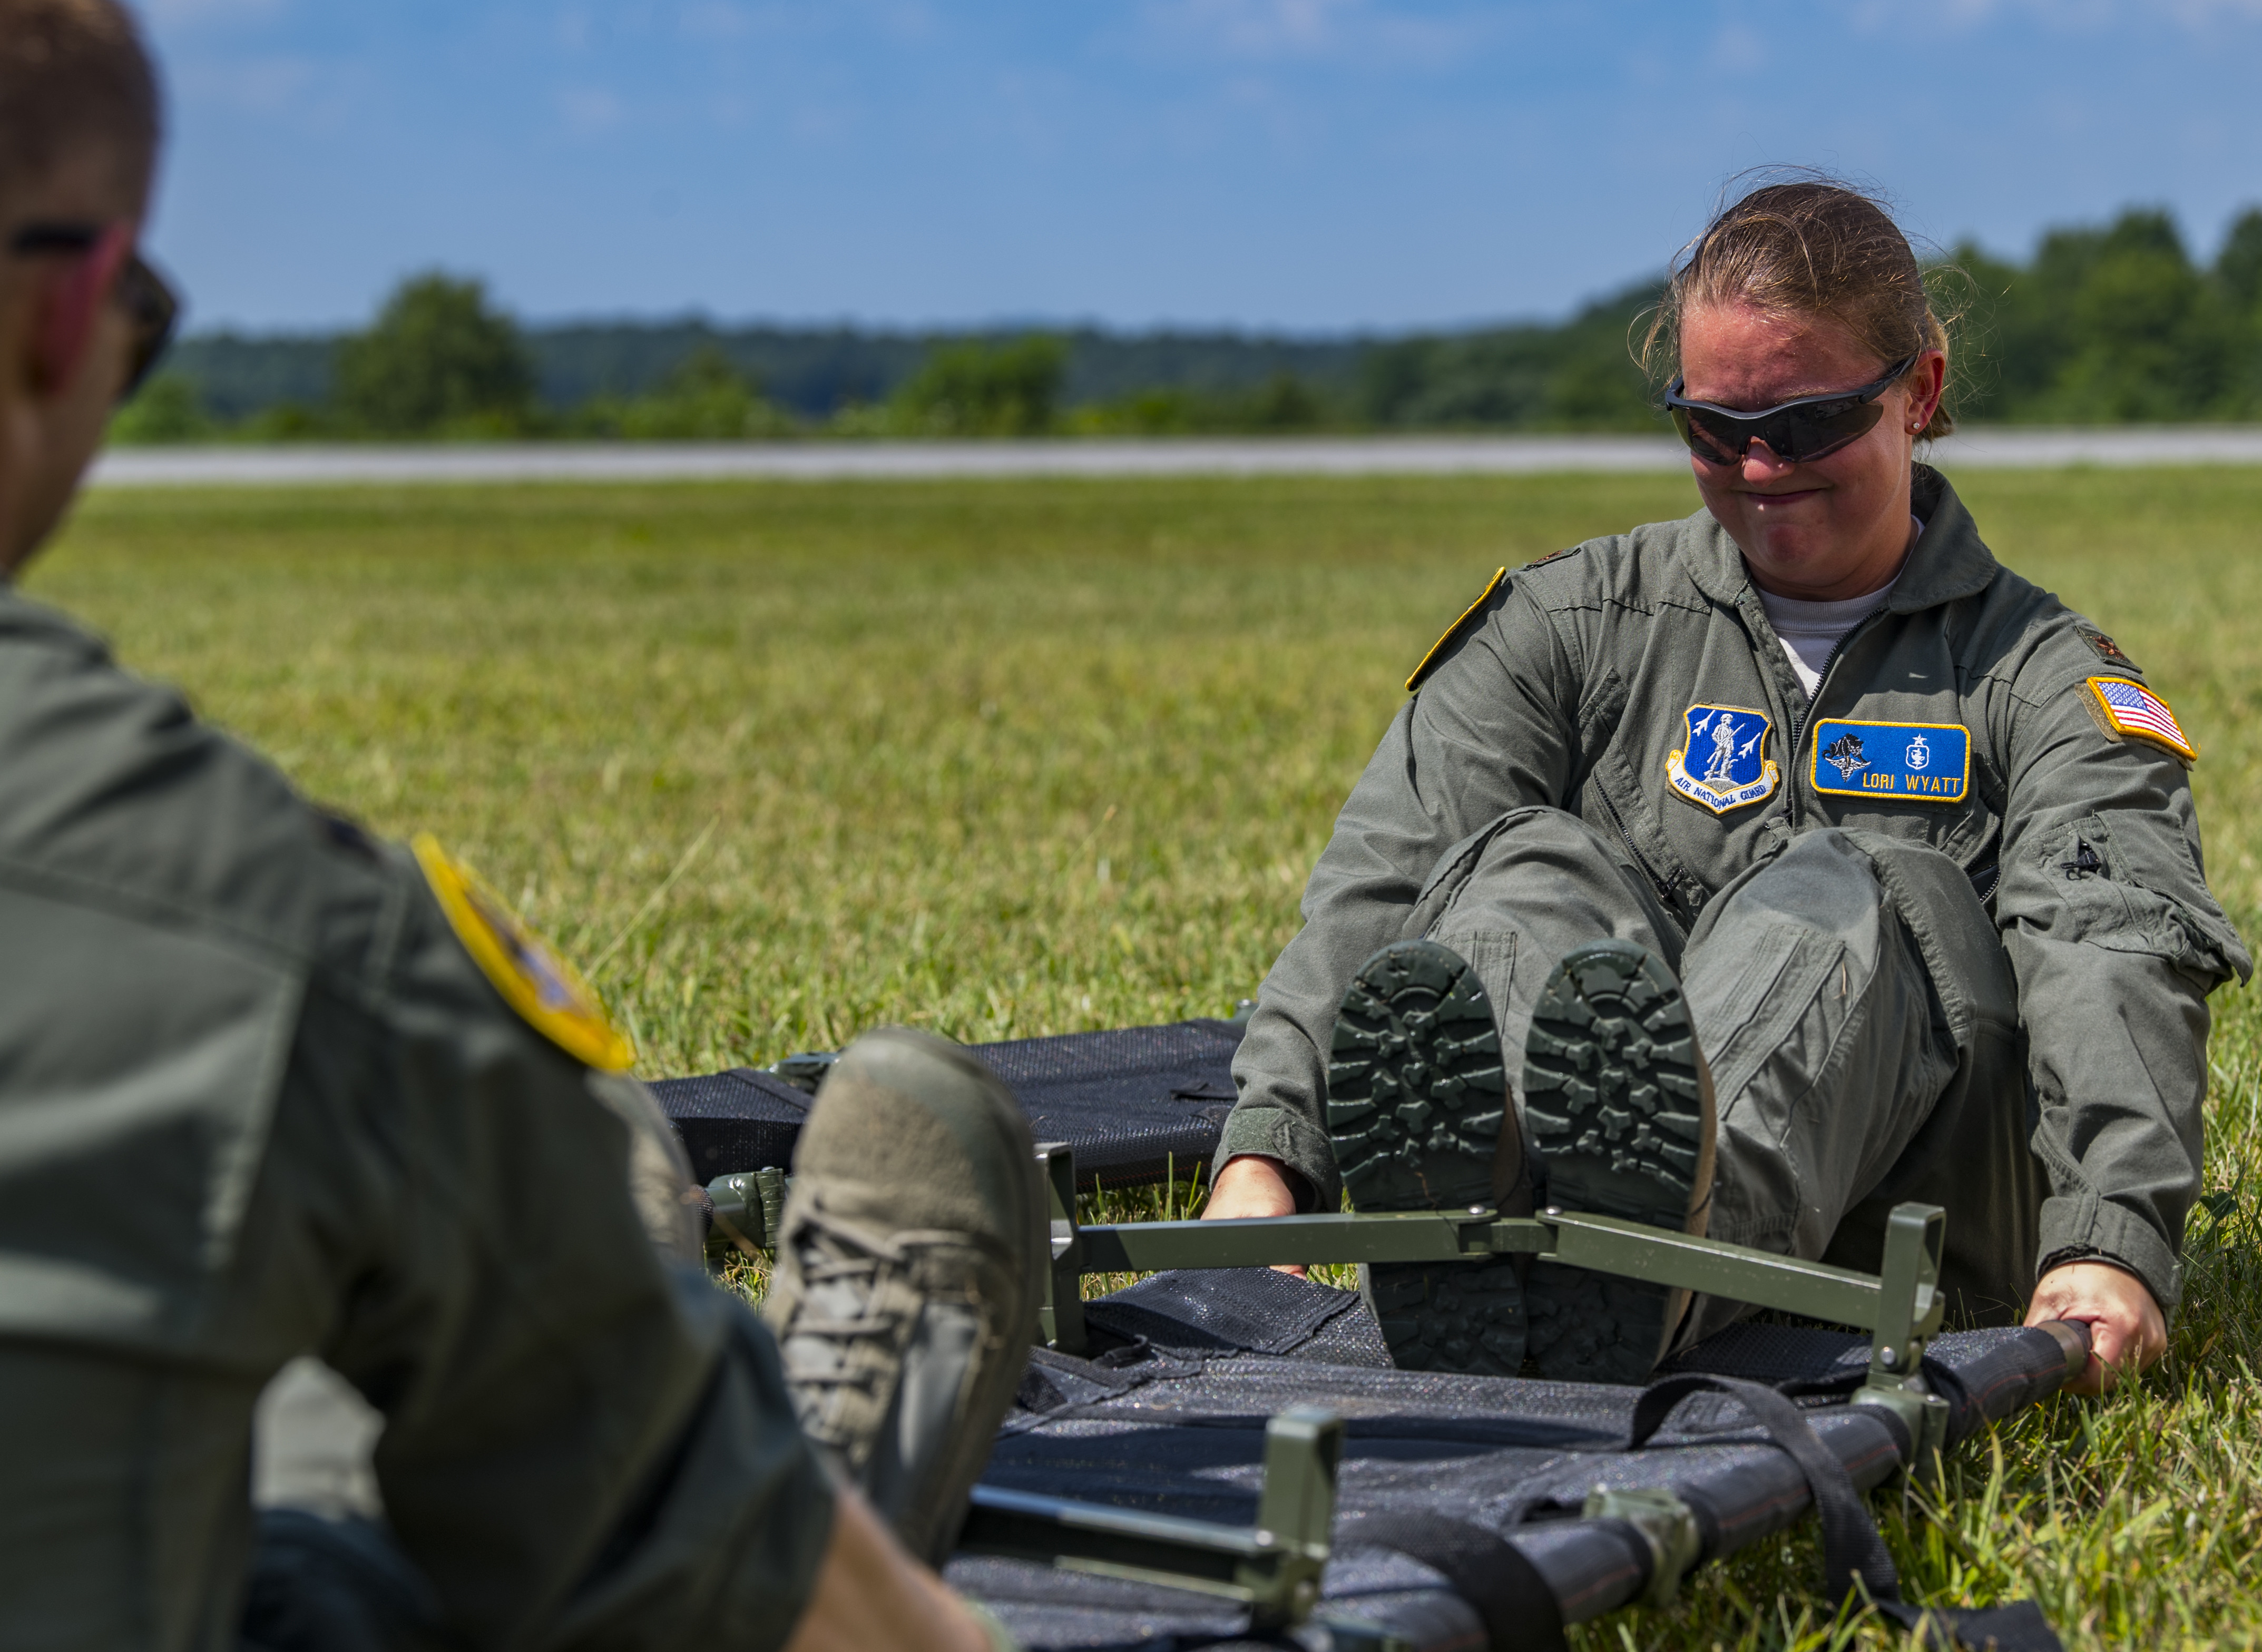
pixel 256 1101
pixel 1985 987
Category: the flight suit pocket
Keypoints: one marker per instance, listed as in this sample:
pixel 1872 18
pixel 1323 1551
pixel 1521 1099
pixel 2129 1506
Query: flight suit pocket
pixel 2127 880
pixel 143 1061
pixel 1491 953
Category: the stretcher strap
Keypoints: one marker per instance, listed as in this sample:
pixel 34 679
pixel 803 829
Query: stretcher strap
pixel 1484 1569
pixel 2019 1626
pixel 1853 1552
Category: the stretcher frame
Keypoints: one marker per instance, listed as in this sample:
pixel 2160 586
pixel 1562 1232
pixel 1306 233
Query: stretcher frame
pixel 1275 1566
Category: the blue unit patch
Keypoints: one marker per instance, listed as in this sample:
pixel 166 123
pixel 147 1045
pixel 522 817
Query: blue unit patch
pixel 1904 762
pixel 1722 762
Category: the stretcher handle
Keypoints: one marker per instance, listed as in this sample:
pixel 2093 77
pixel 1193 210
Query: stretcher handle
pixel 2072 1336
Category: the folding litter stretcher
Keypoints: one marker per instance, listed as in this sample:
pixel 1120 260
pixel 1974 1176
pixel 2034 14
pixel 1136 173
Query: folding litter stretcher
pixel 1221 1455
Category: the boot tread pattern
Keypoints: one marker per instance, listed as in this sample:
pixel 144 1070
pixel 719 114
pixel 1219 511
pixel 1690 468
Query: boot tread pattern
pixel 1465 1317
pixel 1613 1106
pixel 1416 1085
pixel 1586 1327
pixel 1610 1078
pixel 1417 1095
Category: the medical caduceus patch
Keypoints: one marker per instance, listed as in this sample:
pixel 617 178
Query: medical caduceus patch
pixel 1723 762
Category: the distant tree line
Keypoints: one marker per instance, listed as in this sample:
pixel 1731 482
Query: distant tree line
pixel 2104 324
pixel 2117 324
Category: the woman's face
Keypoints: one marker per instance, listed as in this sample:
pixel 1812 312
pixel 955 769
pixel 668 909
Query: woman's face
pixel 1835 526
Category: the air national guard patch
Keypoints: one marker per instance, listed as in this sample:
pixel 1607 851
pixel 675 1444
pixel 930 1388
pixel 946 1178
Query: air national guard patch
pixel 534 982
pixel 2130 711
pixel 1900 761
pixel 1722 764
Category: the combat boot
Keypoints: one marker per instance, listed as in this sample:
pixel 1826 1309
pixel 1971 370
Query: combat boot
pixel 1419 1115
pixel 908 1274
pixel 1618 1103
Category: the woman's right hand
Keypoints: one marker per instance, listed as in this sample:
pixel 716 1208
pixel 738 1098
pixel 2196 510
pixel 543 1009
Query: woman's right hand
pixel 1254 1186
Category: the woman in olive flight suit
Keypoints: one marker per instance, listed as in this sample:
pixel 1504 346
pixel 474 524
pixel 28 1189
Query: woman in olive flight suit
pixel 1778 865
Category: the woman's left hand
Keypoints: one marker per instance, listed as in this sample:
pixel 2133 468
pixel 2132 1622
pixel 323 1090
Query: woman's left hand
pixel 2127 1330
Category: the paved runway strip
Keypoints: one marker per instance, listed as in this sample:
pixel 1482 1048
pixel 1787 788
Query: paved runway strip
pixel 828 461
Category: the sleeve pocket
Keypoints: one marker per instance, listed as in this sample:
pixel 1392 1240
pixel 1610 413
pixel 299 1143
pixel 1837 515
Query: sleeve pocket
pixel 2127 881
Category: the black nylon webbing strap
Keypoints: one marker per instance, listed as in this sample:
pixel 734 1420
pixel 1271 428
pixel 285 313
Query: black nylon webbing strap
pixel 1851 1546
pixel 1486 1570
pixel 2018 1627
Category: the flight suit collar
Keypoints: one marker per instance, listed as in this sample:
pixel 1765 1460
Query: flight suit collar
pixel 1948 561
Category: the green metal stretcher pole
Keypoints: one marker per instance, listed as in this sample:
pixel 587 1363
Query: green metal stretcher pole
pixel 1274 1566
pixel 1902 1303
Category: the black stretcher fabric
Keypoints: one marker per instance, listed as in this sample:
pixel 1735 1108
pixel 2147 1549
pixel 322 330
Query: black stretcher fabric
pixel 1167 1413
pixel 1133 1102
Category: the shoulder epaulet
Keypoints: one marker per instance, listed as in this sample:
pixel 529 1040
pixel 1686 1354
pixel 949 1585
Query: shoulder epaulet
pixel 1454 632
pixel 2107 649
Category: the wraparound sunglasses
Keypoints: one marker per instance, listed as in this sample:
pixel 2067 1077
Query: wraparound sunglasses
pixel 1809 428
pixel 141 292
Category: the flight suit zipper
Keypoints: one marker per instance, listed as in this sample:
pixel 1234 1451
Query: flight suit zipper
pixel 1813 703
pixel 1664 889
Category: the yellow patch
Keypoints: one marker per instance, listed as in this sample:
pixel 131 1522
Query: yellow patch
pixel 2125 710
pixel 541 986
pixel 1452 632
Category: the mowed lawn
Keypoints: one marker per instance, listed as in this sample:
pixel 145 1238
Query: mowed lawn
pixel 780 762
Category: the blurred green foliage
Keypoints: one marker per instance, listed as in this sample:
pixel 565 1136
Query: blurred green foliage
pixel 705 398
pixel 1283 404
pixel 2105 324
pixel 439 360
pixel 166 409
pixel 2114 324
pixel 1011 389
pixel 1580 376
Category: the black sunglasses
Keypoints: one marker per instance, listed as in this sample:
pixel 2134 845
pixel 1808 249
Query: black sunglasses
pixel 1809 428
pixel 151 304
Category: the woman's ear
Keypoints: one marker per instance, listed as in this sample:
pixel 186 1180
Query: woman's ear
pixel 1926 384
pixel 67 299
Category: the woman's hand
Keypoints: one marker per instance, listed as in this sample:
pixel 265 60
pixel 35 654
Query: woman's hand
pixel 1254 1186
pixel 2127 1330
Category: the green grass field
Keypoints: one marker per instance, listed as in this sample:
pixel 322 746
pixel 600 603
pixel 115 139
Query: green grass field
pixel 780 762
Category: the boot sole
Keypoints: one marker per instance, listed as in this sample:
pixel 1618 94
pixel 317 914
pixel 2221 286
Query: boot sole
pixel 1416 1101
pixel 1613 1101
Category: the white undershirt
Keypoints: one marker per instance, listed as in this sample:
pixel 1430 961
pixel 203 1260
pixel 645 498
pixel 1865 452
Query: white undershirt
pixel 1811 630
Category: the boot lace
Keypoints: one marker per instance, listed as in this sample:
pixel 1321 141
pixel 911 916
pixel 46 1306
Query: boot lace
pixel 841 1265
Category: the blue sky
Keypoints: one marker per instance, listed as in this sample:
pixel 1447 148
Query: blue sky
pixel 1309 165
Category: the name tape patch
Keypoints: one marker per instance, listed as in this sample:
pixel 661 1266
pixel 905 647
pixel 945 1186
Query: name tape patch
pixel 1906 762
pixel 1722 762
pixel 544 989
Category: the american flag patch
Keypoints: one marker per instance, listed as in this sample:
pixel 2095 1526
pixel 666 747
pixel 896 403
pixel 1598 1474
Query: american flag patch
pixel 2131 711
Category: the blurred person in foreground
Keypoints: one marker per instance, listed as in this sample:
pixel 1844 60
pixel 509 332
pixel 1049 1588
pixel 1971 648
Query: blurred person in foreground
pixel 269 1087
pixel 1749 874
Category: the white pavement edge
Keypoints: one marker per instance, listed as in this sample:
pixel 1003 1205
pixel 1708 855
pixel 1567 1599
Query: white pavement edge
pixel 813 461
